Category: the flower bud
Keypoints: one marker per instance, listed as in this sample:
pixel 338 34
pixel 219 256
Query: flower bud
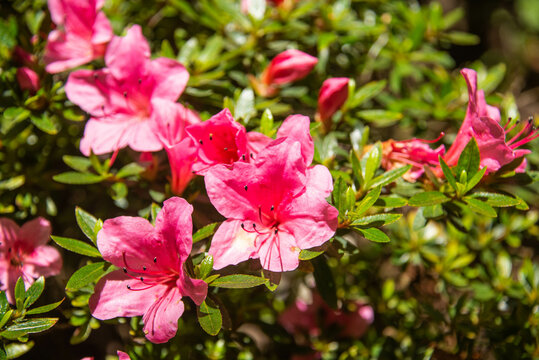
pixel 288 66
pixel 333 95
pixel 28 79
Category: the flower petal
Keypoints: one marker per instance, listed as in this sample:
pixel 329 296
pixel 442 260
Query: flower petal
pixel 196 289
pixel 161 319
pixel 174 227
pixel 278 252
pixel 35 232
pixel 127 56
pixel 43 261
pixel 296 127
pixel 9 232
pixel 231 244
pixel 170 78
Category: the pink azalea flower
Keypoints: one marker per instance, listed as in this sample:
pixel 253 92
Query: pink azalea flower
pixel 123 97
pixel 220 140
pixel 82 36
pixel 333 95
pixel 121 356
pixel 152 279
pixel 416 152
pixel 287 67
pixel 275 206
pixel 180 149
pixel 482 122
pixel 28 79
pixel 23 253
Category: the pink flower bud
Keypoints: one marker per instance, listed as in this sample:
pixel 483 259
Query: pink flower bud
pixel 288 66
pixel 28 79
pixel 333 95
pixel 23 57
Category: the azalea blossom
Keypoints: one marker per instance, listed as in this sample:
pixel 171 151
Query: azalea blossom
pixel 23 253
pixel 275 206
pixel 220 140
pixel 415 152
pixel 28 79
pixel 333 95
pixel 152 280
pixel 82 35
pixel 181 150
pixel 123 99
pixel 121 356
pixel 482 122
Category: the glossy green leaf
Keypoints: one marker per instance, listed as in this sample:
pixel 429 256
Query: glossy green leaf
pixel 366 92
pixel 205 267
pixel 238 281
pixel 309 254
pixel 469 160
pixel 15 350
pixel 367 202
pixel 266 123
pixel 86 275
pixel 390 176
pixel 480 207
pixel 497 200
pixel 325 283
pixel 205 232
pixel 76 178
pixel 20 293
pixel 447 173
pixel 87 223
pixel 373 234
pixel 130 169
pixel 28 327
pixel 76 246
pixel 376 220
pixel 428 198
pixel 34 292
pixel 78 163
pixel 45 308
pixel 209 317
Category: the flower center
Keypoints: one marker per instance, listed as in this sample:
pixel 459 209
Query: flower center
pixel 147 278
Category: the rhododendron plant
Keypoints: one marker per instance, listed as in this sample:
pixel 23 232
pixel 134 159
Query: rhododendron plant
pixel 23 253
pixel 82 35
pixel 152 279
pixel 121 97
pixel 274 206
pixel 332 96
pixel 482 122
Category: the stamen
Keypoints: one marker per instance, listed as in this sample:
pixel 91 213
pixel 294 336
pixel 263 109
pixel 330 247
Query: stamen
pixel 125 94
pixel 272 208
pixel 524 130
pixel 139 81
pixel 226 149
pixel 125 270
pixel 276 231
pixel 211 136
pixel 251 155
pixel 243 157
pixel 245 187
pixel 144 268
pixel 200 141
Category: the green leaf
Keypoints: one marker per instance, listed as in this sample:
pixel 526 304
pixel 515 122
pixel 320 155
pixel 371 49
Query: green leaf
pixel 480 207
pixel 391 202
pixel 87 223
pixel 15 350
pixel 130 170
pixel 475 179
pixel 154 211
pixel 469 159
pixel 433 211
pixel 34 292
pixel 497 200
pixel 389 176
pixel 380 117
pixel 370 162
pixel 76 178
pixel 76 246
pixel 428 198
pixel 20 293
pixel 325 283
pixel 86 275
pixel 367 202
pixel 374 234
pixel 44 308
pixel 5 318
pixel 205 232
pixel 309 254
pixel 366 92
pixel 44 123
pixel 462 38
pixel 78 163
pixel 12 183
pixel 448 174
pixel 266 123
pixel 209 317
pixel 28 327
pixel 356 168
pixel 4 304
pixel 245 106
pixel 206 266
pixel 238 281
pixel 376 220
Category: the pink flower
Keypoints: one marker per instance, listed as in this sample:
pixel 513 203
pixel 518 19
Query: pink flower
pixel 220 140
pixel 152 279
pixel 28 79
pixel 121 356
pixel 415 152
pixel 23 253
pixel 180 149
pixel 333 95
pixel 23 57
pixel 82 36
pixel 482 122
pixel 288 66
pixel 275 206
pixel 121 98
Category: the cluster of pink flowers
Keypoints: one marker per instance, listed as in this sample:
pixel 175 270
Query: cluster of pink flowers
pixel 482 122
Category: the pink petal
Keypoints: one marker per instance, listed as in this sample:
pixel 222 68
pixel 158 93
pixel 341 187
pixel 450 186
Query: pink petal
pixel 231 244
pixel 101 31
pixel 296 127
pixel 490 138
pixel 8 278
pixel 90 91
pixel 112 298
pixel 333 95
pixel 64 52
pixel 181 158
pixel 256 142
pixel 174 226
pixel 43 261
pixel 288 66
pixel 56 8
pixel 278 252
pixel 196 289
pixel 170 78
pixel 161 319
pixel 127 56
pixel 35 232
pixel 170 121
pixel 122 355
pixel 9 232
pixel 28 79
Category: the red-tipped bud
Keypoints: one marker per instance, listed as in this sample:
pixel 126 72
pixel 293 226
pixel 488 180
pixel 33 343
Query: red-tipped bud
pixel 333 95
pixel 28 79
pixel 288 66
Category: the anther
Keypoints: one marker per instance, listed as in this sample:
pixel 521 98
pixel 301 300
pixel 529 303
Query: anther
pixel 245 187
pixel 276 231
pixel 144 268
pixel 141 278
pixel 129 287
pixel 200 141
pixel 242 226
pixel 251 155
pixel 95 76
pixel 211 136
pixel 243 157
pixel 272 208
pixel 254 226
pixel 226 149
pixel 154 259
pixel 139 81
pixel 125 93
pixel 125 270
